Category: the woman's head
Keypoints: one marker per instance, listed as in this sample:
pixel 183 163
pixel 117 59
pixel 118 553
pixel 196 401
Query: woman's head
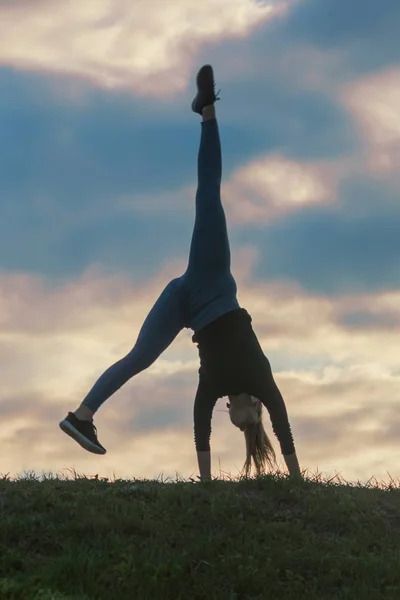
pixel 245 412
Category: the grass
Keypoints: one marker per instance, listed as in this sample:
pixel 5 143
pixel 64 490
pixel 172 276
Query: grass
pixel 269 538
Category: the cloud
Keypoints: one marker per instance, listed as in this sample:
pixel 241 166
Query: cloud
pixel 373 101
pixel 344 416
pixel 345 247
pixel 271 187
pixel 359 319
pixel 56 340
pixel 302 330
pixel 143 47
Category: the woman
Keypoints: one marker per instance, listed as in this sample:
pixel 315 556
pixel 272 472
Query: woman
pixel 203 299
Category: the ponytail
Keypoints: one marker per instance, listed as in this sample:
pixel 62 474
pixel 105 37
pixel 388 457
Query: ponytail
pixel 258 448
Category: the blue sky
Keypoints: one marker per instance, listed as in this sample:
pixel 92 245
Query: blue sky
pixel 97 179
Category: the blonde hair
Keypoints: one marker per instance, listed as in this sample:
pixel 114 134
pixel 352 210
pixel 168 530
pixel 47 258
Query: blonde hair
pixel 258 446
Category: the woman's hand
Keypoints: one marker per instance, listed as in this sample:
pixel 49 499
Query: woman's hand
pixel 204 461
pixel 292 465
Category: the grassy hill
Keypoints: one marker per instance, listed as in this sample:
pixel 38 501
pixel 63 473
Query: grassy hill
pixel 272 538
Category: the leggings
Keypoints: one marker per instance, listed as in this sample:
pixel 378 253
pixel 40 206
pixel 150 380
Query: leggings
pixel 203 293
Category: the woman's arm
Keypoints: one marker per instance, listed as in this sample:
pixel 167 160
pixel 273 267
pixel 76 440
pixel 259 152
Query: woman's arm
pixel 203 409
pixel 275 404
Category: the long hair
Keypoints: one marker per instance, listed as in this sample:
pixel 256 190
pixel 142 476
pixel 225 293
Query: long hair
pixel 258 446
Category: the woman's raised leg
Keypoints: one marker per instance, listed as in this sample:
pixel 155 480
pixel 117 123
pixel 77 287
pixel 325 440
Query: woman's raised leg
pixel 211 288
pixel 209 250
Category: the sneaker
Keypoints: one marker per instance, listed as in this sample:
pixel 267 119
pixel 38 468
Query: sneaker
pixel 83 432
pixel 205 89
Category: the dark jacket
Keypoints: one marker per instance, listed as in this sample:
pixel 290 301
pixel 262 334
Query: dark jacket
pixel 232 362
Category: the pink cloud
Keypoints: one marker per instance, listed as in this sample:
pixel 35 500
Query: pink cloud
pixel 140 46
pixel 57 340
pixel 272 186
pixel 374 102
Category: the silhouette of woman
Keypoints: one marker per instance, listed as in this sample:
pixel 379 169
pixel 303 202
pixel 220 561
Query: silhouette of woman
pixel 203 299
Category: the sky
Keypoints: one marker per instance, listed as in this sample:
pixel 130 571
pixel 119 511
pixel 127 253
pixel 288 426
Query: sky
pixel 98 151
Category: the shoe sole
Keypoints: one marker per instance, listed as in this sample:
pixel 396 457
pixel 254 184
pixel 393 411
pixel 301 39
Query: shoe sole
pixel 83 441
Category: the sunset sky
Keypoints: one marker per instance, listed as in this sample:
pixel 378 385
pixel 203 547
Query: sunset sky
pixel 98 152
